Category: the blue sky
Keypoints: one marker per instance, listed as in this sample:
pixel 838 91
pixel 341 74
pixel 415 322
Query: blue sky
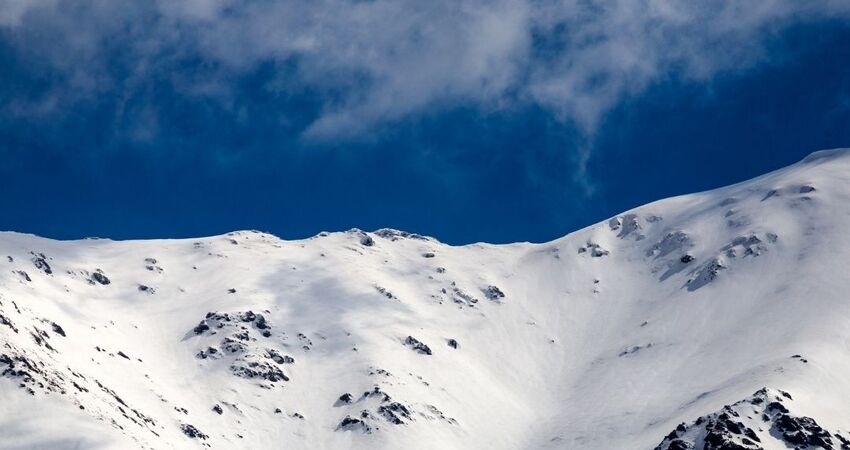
pixel 470 121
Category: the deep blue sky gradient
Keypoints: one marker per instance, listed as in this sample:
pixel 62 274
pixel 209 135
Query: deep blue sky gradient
pixel 455 173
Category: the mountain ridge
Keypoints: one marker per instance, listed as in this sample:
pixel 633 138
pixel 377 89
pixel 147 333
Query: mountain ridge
pixel 608 337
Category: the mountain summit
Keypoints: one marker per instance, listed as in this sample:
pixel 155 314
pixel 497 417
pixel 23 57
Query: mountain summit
pixel 717 320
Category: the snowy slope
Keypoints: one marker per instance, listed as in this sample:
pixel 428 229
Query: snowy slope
pixel 608 338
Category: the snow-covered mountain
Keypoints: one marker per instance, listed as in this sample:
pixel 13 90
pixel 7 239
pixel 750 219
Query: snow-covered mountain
pixel 718 320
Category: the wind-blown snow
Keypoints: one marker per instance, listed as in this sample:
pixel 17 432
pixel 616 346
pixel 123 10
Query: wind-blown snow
pixel 607 338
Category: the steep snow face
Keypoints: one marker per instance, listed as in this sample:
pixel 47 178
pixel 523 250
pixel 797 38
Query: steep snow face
pixel 608 338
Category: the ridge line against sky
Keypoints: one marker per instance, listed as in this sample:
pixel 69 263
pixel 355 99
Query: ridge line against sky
pixel 189 117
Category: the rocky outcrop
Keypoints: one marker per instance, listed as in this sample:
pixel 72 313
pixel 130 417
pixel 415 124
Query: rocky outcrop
pixel 417 345
pixel 593 249
pixel 255 360
pixel 763 420
pixel 39 260
pixel 493 293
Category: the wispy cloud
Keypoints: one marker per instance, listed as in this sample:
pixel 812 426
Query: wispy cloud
pixel 375 61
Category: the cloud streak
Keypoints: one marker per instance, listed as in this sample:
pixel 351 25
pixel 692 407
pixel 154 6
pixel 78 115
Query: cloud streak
pixel 372 62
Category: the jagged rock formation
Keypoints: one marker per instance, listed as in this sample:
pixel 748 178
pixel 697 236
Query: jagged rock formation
pixel 760 421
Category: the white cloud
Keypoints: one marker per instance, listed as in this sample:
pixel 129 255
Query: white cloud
pixel 374 61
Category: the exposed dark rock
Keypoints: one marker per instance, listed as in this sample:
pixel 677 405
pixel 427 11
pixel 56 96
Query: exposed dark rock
pixel 365 239
pixel 452 343
pixel 415 344
pixel 800 358
pixel 151 264
pixel 346 398
pixel 594 249
pixel 427 255
pixel 215 321
pixel 201 327
pixel 776 406
pixel 386 293
pixel 493 293
pixel 57 329
pixel 210 352
pixel 39 337
pixel 803 431
pixel 377 392
pixel 39 260
pixel 232 346
pixel 218 316
pixel 8 322
pixel 278 358
pixel 242 335
pixel 352 424
pixel 733 427
pixel 218 410
pixel 303 338
pixel 680 445
pixel 394 413
pixel 257 369
pixel 260 322
pixel 394 235
pixel 99 277
pixel 193 432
